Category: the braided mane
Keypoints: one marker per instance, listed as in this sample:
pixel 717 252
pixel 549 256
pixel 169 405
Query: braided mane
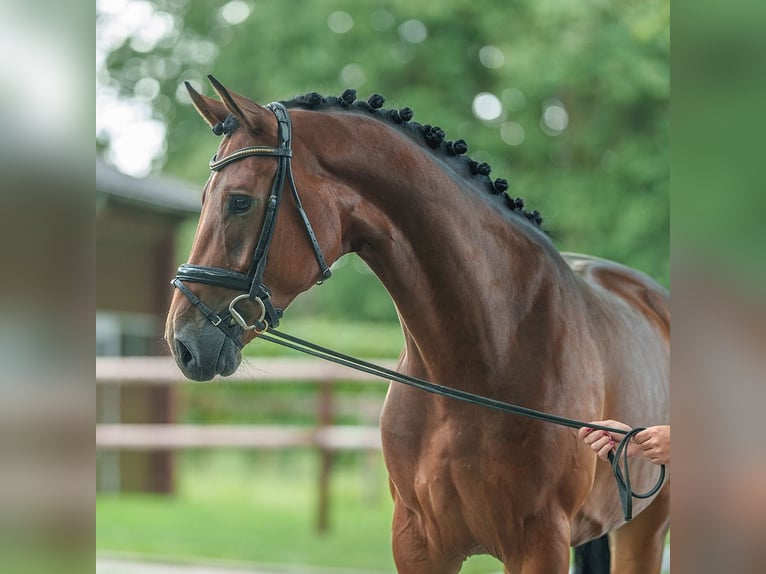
pixel 431 136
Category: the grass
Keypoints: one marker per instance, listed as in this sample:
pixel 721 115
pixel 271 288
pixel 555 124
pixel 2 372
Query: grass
pixel 253 508
pixel 260 508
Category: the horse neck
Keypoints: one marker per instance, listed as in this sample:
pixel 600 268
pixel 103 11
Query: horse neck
pixel 461 275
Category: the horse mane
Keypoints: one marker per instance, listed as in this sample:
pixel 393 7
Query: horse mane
pixel 432 137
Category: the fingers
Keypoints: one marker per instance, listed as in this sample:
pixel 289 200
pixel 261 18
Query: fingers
pixel 645 440
pixel 605 423
pixel 654 451
pixel 585 431
pixel 603 452
pixel 649 444
pixel 591 436
pixel 600 442
pixel 603 442
pixel 654 444
pixel 633 448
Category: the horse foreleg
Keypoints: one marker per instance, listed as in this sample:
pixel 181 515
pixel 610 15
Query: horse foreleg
pixel 639 544
pixel 413 554
pixel 545 549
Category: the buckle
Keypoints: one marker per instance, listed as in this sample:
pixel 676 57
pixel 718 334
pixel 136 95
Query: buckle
pixel 240 320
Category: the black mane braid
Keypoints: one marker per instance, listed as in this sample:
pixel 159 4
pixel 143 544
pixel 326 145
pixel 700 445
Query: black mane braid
pixel 432 137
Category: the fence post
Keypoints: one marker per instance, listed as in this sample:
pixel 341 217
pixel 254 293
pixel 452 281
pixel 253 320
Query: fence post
pixel 325 419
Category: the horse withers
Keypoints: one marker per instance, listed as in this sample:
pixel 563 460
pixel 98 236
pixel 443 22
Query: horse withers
pixel 487 304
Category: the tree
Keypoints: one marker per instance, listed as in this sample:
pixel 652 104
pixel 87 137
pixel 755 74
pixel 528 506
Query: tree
pixel 575 107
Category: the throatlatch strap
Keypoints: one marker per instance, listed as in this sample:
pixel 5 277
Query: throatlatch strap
pixel 326 273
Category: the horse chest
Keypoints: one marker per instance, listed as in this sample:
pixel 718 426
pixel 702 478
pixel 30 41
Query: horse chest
pixel 436 455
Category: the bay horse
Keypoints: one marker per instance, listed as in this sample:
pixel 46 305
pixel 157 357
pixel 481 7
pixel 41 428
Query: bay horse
pixel 487 304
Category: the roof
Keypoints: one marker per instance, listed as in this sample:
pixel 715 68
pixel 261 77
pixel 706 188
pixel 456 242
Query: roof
pixel 156 193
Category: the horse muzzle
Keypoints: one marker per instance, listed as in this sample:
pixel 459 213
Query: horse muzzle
pixel 202 351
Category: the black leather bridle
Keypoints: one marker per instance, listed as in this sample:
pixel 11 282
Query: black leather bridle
pixel 251 284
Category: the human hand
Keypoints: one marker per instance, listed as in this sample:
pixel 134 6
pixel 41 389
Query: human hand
pixel 603 442
pixel 654 443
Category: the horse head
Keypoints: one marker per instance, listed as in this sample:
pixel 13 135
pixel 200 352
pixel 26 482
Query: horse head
pixel 249 217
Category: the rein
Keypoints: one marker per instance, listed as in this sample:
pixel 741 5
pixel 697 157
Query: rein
pixel 621 473
pixel 251 285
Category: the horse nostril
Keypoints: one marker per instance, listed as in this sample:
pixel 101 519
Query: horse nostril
pixel 184 354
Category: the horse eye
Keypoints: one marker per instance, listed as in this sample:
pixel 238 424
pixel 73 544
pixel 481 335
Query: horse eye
pixel 240 204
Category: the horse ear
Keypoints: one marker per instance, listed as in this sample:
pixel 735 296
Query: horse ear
pixel 243 108
pixel 212 110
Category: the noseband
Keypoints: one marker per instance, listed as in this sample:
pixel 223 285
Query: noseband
pixel 251 284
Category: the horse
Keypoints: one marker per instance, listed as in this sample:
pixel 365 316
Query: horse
pixel 486 302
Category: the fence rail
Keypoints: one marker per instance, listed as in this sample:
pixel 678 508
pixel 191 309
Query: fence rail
pixel 163 371
pixel 115 372
pixel 175 436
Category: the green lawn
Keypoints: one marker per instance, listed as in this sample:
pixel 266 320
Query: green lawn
pixel 260 508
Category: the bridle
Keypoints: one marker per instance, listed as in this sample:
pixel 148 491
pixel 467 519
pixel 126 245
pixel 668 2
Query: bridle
pixel 252 287
pixel 251 284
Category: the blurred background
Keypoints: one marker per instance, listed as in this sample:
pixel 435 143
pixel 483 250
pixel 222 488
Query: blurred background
pixel 568 101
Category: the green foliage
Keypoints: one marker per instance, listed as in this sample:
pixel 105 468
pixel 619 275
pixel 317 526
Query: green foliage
pixel 363 339
pixel 601 183
pixel 719 199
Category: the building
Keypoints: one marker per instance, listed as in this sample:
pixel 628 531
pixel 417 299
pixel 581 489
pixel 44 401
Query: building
pixel 137 225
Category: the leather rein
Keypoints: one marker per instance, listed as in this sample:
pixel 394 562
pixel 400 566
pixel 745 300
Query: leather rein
pixel 231 321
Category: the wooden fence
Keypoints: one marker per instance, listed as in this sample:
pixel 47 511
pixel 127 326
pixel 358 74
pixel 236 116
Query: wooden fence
pixel 163 371
pixel 326 437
